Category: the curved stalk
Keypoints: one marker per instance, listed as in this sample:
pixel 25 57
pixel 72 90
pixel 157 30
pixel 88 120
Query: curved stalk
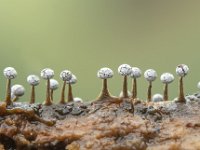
pixel 15 99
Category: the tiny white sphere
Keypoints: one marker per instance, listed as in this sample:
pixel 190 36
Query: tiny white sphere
pixel 198 85
pixel 157 98
pixel 121 94
pixel 150 75
pixel 77 100
pixel 47 73
pixel 125 70
pixel 136 72
pixel 10 73
pixel 182 70
pixel 17 90
pixel 105 73
pixel 66 75
pixel 167 78
pixel 33 80
pixel 73 80
pixel 54 84
pixel 190 98
pixel 12 95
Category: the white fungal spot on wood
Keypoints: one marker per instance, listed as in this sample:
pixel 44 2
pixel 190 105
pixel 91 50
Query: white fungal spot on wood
pixel 77 100
pixel 157 98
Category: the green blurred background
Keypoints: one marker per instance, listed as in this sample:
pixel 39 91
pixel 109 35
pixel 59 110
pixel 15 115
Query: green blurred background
pixel 83 36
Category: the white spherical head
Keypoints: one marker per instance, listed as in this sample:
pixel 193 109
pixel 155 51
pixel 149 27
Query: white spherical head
pixel 121 94
pixel 150 75
pixel 125 70
pixel 167 78
pixel 47 73
pixel 198 85
pixel 105 73
pixel 10 73
pixel 66 75
pixel 54 84
pixel 136 72
pixel 182 70
pixel 157 98
pixel 17 90
pixel 77 100
pixel 33 80
pixel 73 80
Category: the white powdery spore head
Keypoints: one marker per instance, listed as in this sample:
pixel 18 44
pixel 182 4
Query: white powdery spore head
pixel 66 75
pixel 167 78
pixel 136 72
pixel 47 73
pixel 157 98
pixel 182 70
pixel 77 100
pixel 150 75
pixel 17 90
pixel 105 73
pixel 121 94
pixel 10 73
pixel 54 84
pixel 73 80
pixel 33 80
pixel 125 70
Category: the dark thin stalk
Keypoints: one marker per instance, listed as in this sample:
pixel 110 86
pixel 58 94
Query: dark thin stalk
pixel 125 88
pixel 149 91
pixel 32 95
pixel 104 92
pixel 70 94
pixel 181 97
pixel 15 99
pixel 134 88
pixel 48 97
pixel 132 105
pixel 52 94
pixel 165 94
pixel 62 100
pixel 8 92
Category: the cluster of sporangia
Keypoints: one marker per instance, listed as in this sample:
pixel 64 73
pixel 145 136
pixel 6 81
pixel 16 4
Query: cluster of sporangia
pixel 125 70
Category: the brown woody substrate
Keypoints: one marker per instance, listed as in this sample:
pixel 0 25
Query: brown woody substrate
pixel 103 126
